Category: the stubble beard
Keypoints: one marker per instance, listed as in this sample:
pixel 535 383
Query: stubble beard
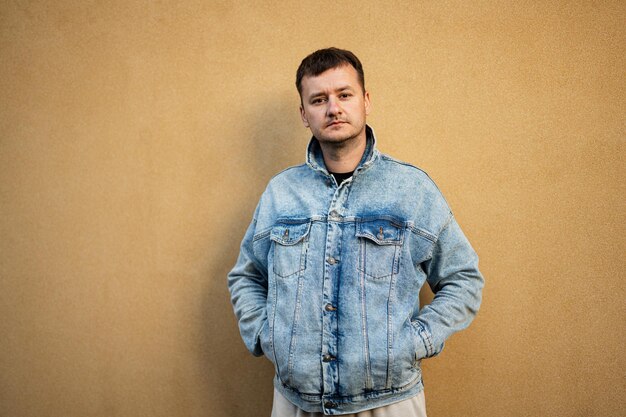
pixel 341 142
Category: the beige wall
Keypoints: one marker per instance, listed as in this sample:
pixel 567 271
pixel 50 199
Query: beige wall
pixel 136 137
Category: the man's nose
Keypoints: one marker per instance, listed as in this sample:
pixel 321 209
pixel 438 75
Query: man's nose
pixel 333 107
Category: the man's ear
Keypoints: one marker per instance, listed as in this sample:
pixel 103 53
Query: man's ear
pixel 305 122
pixel 368 103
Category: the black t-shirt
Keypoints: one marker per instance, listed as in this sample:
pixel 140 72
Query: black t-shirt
pixel 341 176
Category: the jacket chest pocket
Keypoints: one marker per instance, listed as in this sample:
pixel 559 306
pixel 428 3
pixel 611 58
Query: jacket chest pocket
pixel 380 243
pixel 290 248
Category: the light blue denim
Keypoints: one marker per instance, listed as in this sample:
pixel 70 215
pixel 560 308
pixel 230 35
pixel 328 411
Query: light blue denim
pixel 328 278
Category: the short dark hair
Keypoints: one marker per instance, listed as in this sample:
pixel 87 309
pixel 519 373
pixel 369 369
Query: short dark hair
pixel 325 59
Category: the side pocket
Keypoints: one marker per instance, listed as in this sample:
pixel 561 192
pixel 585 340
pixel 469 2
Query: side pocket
pixel 266 341
pixel 423 342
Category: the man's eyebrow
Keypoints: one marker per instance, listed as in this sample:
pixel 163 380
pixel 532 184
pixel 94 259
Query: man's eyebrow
pixel 323 93
pixel 317 94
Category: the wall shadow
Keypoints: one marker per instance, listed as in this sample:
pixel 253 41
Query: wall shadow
pixel 238 384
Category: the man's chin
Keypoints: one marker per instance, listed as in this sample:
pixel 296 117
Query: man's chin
pixel 336 139
pixel 336 135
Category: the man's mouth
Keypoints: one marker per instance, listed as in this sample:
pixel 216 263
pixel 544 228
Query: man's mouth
pixel 335 123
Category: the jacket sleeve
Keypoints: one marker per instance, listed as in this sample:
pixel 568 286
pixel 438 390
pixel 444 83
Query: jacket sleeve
pixel 247 283
pixel 453 275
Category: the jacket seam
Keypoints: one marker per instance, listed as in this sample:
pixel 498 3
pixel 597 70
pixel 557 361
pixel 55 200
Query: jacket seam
pixel 262 234
pixel 422 233
pixel 406 164
pixel 287 169
pixel 445 224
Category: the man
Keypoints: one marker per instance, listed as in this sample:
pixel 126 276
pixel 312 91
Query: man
pixel 328 278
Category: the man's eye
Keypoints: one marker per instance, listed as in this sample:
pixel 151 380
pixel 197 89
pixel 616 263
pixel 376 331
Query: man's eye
pixel 345 95
pixel 317 101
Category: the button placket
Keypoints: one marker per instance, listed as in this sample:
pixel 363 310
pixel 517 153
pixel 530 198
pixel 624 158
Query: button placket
pixel 329 319
pixel 331 271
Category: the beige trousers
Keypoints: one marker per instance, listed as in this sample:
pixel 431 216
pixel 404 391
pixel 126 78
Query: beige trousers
pixel 413 407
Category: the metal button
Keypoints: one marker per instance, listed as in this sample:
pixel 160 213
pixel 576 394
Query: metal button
pixel 334 215
pixel 332 260
pixel 286 234
pixel 330 404
pixel 330 307
pixel 328 358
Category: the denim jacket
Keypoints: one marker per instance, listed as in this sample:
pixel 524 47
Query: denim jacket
pixel 328 278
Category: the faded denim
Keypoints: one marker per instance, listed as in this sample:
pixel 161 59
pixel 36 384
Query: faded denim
pixel 328 278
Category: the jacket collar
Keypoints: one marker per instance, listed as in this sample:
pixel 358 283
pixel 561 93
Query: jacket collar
pixel 315 159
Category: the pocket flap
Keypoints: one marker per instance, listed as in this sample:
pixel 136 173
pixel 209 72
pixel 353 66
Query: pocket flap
pixel 288 234
pixel 382 231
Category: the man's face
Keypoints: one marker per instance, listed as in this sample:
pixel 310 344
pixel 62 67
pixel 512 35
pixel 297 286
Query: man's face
pixel 334 105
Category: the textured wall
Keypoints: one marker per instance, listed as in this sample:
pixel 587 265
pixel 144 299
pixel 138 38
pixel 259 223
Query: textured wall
pixel 136 137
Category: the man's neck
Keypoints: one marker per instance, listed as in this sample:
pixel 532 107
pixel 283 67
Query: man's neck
pixel 345 156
